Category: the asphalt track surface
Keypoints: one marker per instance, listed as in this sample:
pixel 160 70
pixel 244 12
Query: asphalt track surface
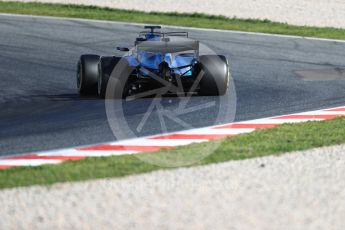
pixel 41 109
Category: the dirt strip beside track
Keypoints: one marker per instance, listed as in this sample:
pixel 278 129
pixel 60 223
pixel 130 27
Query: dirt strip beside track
pixel 298 12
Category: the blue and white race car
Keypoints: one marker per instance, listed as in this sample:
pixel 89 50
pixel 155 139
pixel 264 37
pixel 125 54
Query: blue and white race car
pixel 160 63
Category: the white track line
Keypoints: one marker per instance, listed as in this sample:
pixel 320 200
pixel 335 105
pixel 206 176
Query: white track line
pixel 87 153
pixel 277 121
pixel 28 162
pixel 155 142
pixel 212 131
pixel 338 113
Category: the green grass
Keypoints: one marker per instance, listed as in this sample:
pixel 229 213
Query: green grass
pixel 276 141
pixel 189 20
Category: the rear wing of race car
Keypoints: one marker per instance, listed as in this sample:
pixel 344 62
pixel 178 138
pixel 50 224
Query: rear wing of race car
pixel 180 34
pixel 170 46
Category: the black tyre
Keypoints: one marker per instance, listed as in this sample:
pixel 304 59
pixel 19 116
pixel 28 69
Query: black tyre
pixel 87 74
pixel 106 67
pixel 116 82
pixel 216 75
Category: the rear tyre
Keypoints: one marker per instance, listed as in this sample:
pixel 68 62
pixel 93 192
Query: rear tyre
pixel 116 82
pixel 87 74
pixel 216 75
pixel 106 67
